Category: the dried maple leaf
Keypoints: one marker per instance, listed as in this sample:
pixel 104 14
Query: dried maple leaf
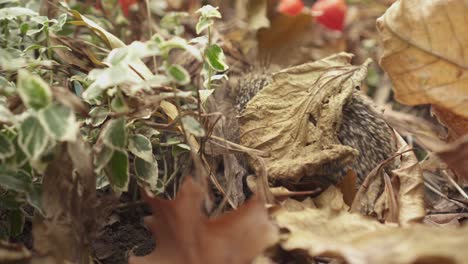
pixel 184 234
pixel 424 46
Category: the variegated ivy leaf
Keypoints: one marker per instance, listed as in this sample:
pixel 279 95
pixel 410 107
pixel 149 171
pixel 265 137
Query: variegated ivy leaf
pixel 19 181
pixel 34 91
pixel 204 94
pixel 141 147
pixel 103 158
pixel 97 115
pixel 203 23
pixel 32 137
pixel 193 126
pixel 117 170
pixel 147 172
pixel 115 134
pixel 215 58
pixel 177 42
pixel 10 13
pixel 7 149
pixel 6 116
pixel 118 104
pixel 209 11
pixel 59 122
pixel 178 74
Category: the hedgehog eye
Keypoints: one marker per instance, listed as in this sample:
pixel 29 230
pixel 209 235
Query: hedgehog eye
pixel 358 87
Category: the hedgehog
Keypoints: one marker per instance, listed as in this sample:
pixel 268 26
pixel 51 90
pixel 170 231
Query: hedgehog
pixel 363 127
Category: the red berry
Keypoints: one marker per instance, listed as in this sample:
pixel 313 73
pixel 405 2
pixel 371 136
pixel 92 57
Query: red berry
pixel 125 5
pixel 331 13
pixel 290 7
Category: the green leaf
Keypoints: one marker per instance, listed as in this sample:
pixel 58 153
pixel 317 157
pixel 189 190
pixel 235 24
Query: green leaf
pixel 32 137
pixel 16 222
pixel 97 115
pixel 209 11
pixel 10 13
pixel 147 172
pixel 59 122
pixel 118 104
pixel 141 147
pixel 215 58
pixel 34 197
pixel 103 158
pixel 7 149
pixel 18 181
pixel 178 42
pixel 179 74
pixel 34 91
pixel 117 170
pixel 115 134
pixel 62 19
pixel 6 116
pixel 203 23
pixel 193 126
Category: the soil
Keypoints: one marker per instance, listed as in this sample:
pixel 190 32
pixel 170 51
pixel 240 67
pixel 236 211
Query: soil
pixel 126 236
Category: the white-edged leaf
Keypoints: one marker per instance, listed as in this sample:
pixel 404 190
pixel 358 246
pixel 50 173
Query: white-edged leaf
pixel 32 137
pixel 147 172
pixel 6 116
pixel 14 12
pixel 102 158
pixel 59 122
pixel 117 170
pixel 204 94
pixel 178 74
pixel 34 91
pixel 178 42
pixel 215 58
pixel 193 126
pixel 97 115
pixel 7 148
pixel 203 23
pixel 115 134
pixel 209 11
pixel 141 147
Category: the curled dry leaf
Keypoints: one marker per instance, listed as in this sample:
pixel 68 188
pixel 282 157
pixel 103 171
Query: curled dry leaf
pixel 424 45
pixel 184 234
pixel 456 156
pixel 402 198
pixel 333 232
pixel 64 231
pixel 276 120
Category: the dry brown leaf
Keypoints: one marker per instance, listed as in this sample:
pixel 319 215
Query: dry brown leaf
pixel 401 198
pixel 64 232
pixel 360 240
pixel 184 234
pixel 11 253
pixel 411 186
pixel 276 120
pixel 425 133
pixel 424 46
pixel 299 34
pixel 456 156
pixel 254 12
pixel 456 124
